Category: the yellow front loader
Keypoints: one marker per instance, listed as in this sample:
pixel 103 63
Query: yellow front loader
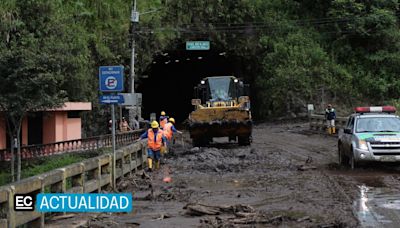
pixel 222 109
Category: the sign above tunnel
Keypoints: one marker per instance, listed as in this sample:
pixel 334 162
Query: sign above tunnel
pixel 197 45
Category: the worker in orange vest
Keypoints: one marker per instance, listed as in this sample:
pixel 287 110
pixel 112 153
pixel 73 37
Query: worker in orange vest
pixel 155 140
pixel 169 130
pixel 163 120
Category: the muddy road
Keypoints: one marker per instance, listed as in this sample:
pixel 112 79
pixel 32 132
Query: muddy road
pixel 288 177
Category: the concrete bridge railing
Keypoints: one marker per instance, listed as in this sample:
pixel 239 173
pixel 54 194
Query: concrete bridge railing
pixel 77 145
pixel 88 176
pixel 318 122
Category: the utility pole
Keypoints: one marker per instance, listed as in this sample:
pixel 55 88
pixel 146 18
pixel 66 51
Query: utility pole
pixel 133 111
pixel 114 168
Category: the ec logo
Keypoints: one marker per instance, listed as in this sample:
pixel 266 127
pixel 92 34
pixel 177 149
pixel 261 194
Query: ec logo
pixel 23 202
pixel 111 82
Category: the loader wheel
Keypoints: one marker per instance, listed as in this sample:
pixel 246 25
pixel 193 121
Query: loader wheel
pixel 199 142
pixel 244 141
pixel 196 143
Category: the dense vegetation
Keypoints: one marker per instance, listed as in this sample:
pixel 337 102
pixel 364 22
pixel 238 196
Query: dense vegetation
pixel 295 52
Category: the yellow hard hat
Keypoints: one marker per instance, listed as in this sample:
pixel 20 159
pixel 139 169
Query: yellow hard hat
pixel 162 113
pixel 171 120
pixel 154 124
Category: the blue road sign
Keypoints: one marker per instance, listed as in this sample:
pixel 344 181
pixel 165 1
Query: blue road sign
pixel 112 99
pixel 111 78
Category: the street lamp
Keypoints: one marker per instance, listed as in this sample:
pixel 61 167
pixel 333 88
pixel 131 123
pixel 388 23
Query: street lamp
pixel 134 110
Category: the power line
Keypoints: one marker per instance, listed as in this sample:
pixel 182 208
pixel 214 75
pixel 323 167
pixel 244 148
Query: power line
pixel 255 22
pixel 246 27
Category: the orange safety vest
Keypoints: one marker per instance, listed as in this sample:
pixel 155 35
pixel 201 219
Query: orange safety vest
pixel 163 122
pixel 168 131
pixel 154 145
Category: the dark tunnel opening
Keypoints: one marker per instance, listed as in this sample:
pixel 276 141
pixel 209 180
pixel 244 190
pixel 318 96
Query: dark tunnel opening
pixel 170 80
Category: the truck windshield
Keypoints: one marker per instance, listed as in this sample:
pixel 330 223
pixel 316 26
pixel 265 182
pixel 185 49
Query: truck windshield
pixel 219 88
pixel 378 124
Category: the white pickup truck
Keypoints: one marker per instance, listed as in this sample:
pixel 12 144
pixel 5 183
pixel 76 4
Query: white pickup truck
pixel 371 134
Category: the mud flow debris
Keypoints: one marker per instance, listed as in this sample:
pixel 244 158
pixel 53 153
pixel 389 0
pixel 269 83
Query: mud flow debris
pixel 288 177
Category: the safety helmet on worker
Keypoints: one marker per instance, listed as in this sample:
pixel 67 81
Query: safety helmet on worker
pixel 163 113
pixel 154 124
pixel 172 120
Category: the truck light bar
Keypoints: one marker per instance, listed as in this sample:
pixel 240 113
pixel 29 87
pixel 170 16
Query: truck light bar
pixel 387 109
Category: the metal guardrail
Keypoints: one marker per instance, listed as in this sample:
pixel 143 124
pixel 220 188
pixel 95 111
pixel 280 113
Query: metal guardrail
pixel 92 143
pixel 91 175
pixel 318 122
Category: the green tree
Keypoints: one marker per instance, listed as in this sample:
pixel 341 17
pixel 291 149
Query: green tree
pixel 40 58
pixel 296 69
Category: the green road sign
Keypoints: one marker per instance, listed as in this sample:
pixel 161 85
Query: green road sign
pixel 197 45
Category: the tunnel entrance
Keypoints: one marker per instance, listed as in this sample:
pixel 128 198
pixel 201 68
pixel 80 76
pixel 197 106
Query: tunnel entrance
pixel 170 79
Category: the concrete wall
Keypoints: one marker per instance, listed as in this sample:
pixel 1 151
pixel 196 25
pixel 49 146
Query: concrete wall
pixel 74 106
pixel 59 124
pixel 49 127
pixel 318 122
pixel 74 128
pixel 58 127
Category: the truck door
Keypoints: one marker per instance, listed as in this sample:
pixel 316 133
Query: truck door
pixel 347 135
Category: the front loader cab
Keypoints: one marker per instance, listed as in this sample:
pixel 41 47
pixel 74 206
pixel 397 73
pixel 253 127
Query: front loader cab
pixel 220 91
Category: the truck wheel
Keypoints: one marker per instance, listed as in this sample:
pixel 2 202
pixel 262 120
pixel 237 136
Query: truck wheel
pixel 244 141
pixel 343 159
pixel 352 161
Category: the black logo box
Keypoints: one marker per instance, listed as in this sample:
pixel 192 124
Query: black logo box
pixel 24 202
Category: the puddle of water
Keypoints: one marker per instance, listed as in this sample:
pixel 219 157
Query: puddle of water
pixel 371 182
pixel 374 203
pixel 374 171
pixel 392 204
pixel 365 214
